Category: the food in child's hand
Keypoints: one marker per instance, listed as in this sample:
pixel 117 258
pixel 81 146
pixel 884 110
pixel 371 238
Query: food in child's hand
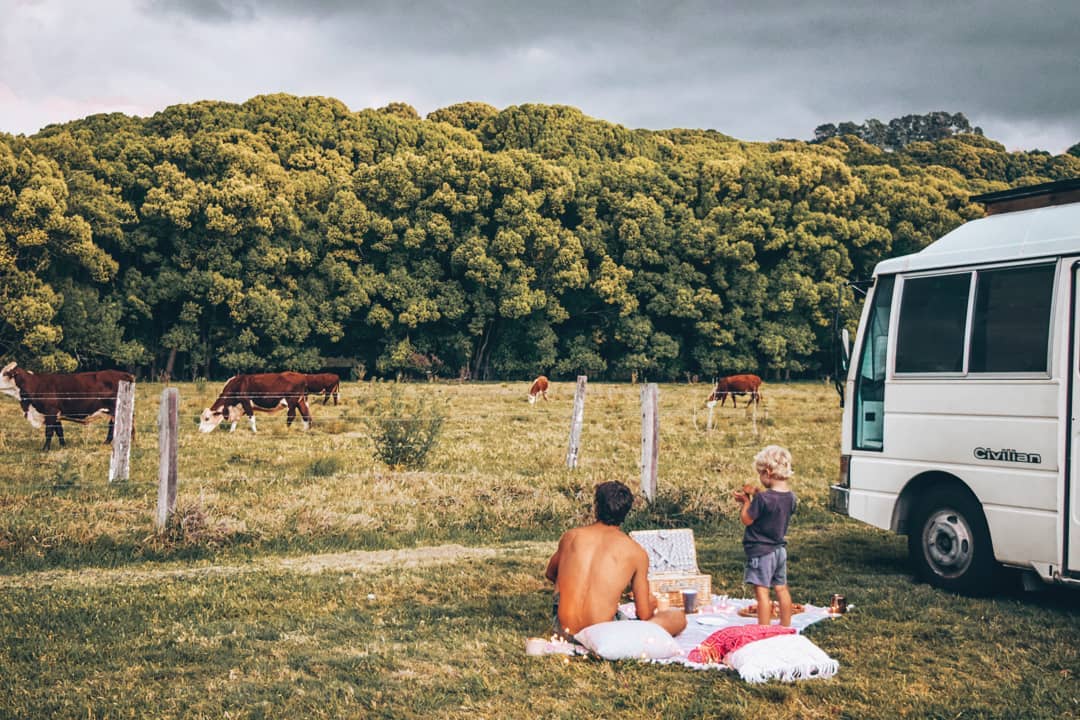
pixel 747 491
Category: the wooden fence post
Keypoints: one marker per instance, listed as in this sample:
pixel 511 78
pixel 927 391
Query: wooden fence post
pixel 575 423
pixel 168 422
pixel 123 431
pixel 650 439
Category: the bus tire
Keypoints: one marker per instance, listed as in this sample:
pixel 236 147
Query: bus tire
pixel 949 542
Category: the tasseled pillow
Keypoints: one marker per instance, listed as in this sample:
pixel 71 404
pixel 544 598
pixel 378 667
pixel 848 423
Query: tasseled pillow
pixel 785 658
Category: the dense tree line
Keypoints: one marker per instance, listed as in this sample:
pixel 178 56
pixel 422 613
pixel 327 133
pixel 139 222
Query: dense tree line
pixel 290 232
pixel 898 133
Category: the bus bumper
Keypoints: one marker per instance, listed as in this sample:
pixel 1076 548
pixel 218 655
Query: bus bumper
pixel 838 499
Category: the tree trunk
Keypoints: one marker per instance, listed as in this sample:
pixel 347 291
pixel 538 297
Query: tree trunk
pixel 170 364
pixel 479 363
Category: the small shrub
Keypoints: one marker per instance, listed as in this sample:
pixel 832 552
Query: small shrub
pixel 404 433
pixel 67 474
pixel 200 385
pixel 325 466
pixel 678 507
pixel 668 509
pixel 192 524
pixel 357 372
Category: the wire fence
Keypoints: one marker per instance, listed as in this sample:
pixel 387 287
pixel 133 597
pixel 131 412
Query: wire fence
pixel 343 412
pixel 358 423
pixel 351 425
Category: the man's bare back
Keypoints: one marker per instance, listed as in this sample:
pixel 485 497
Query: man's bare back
pixel 592 567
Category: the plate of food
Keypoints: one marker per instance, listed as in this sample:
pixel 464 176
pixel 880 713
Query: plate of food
pixel 751 609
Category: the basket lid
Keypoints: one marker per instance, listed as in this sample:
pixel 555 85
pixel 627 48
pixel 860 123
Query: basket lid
pixel 670 551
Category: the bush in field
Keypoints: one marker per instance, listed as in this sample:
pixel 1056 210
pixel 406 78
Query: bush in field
pixel 403 433
pixel 324 466
pixel 192 524
pixel 67 474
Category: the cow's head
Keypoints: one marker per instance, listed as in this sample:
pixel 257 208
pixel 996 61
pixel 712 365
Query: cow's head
pixel 715 396
pixel 532 399
pixel 7 381
pixel 210 419
pixel 212 416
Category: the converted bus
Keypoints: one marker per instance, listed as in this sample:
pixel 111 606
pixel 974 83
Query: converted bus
pixel 963 392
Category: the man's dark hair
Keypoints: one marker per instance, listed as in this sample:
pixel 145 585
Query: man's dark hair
pixel 613 501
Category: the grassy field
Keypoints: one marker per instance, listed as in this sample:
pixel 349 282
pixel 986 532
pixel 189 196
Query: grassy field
pixel 303 578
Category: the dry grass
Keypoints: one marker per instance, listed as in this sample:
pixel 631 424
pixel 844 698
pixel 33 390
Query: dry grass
pixel 277 592
pixel 497 473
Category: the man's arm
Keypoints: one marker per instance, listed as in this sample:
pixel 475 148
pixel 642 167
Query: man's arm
pixel 552 572
pixel 644 602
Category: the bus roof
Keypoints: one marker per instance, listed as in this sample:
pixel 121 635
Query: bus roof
pixel 1030 197
pixel 1026 234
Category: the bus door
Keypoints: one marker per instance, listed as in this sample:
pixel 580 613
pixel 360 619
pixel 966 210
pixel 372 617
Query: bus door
pixel 1072 484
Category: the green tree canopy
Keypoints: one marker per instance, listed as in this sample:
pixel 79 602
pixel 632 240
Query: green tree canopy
pixel 292 233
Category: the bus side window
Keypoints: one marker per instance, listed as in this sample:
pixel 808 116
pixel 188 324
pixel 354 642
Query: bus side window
pixel 1011 328
pixel 933 320
pixel 870 381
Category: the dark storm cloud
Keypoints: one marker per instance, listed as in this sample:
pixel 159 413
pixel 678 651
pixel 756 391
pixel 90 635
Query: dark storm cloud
pixel 843 60
pixel 755 70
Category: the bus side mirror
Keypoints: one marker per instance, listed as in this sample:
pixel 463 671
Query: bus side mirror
pixel 844 359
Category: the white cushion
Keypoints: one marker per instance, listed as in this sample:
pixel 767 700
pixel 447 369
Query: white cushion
pixel 627 639
pixel 783 657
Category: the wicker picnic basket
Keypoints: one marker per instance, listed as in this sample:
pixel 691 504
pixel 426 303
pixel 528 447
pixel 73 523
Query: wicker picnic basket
pixel 673 564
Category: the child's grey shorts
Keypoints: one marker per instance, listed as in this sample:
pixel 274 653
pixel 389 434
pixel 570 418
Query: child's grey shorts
pixel 767 570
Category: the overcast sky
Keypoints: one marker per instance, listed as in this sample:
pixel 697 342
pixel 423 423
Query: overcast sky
pixel 754 69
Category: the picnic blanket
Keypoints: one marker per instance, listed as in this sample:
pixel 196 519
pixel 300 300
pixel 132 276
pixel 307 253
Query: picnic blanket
pixel 796 659
pixel 718 638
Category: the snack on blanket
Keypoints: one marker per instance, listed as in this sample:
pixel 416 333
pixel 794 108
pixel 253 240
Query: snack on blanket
pixel 751 610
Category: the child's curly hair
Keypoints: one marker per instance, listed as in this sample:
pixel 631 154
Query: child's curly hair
pixel 774 461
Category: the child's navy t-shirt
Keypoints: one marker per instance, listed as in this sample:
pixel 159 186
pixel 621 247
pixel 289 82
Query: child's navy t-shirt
pixel 770 510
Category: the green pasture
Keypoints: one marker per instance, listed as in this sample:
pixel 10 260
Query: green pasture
pixel 301 578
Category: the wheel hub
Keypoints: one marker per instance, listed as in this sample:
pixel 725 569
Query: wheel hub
pixel 948 543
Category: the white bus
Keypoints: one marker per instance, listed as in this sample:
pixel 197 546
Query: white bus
pixel 963 394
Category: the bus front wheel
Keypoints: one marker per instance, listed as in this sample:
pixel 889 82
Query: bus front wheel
pixel 949 542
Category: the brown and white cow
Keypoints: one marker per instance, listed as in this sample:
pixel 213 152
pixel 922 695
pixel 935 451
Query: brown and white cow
pixel 48 398
pixel 539 389
pixel 736 385
pixel 325 384
pixel 263 392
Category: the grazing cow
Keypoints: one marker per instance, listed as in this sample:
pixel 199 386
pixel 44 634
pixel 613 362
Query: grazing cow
pixel 48 398
pixel 539 389
pixel 265 392
pixel 325 384
pixel 736 385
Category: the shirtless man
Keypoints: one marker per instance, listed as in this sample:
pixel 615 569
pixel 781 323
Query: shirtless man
pixel 595 563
